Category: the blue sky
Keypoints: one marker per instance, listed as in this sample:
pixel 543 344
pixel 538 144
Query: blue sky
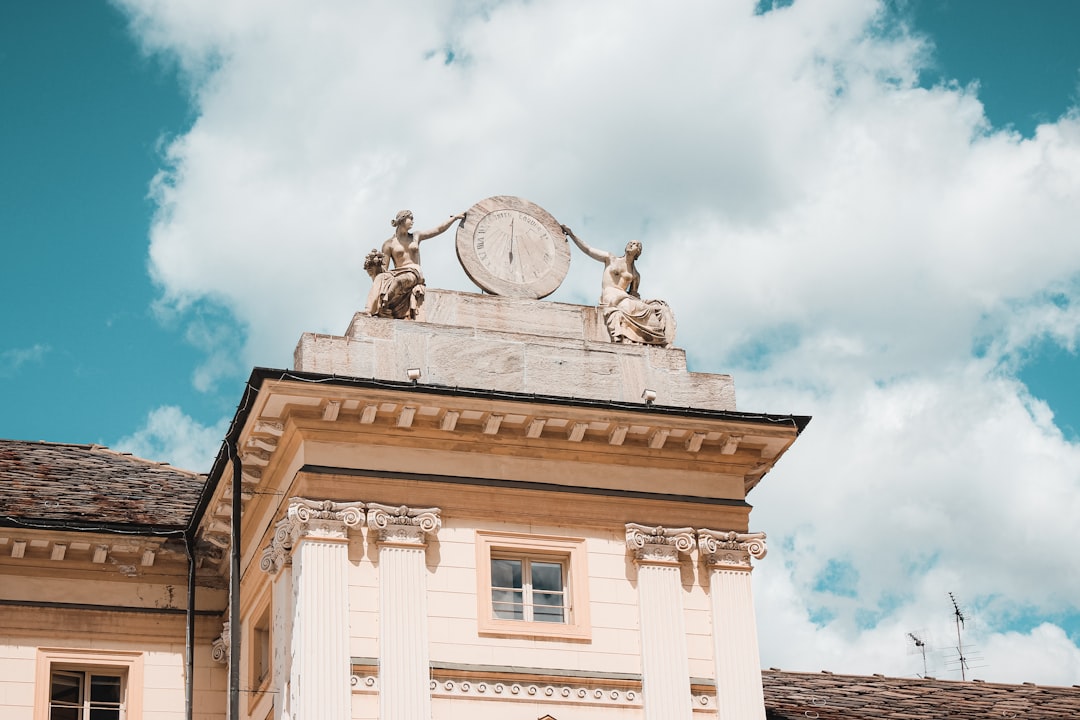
pixel 883 194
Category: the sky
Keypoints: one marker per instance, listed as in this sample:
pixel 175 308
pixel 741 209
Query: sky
pixel 864 210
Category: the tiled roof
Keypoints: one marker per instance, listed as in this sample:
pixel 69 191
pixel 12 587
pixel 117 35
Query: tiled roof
pixel 90 486
pixel 791 695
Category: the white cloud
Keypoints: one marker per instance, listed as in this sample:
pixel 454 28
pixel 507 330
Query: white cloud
pixel 851 245
pixel 171 436
pixel 12 360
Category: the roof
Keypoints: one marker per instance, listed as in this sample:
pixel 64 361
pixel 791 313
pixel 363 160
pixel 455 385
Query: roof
pixel 90 487
pixel 790 695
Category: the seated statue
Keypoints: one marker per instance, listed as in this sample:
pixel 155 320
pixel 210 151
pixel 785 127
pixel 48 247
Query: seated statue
pixel 629 319
pixel 399 292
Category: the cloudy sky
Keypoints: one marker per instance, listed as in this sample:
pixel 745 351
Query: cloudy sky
pixel 866 211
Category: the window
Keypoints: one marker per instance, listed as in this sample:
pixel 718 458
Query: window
pixel 261 649
pixel 532 585
pixel 88 685
pixel 86 695
pixel 528 588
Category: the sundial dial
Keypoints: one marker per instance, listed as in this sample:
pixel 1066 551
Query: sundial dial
pixel 513 248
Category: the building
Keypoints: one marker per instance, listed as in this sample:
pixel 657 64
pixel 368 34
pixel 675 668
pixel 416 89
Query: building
pixel 490 512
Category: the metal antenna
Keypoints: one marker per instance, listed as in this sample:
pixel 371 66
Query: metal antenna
pixel 920 646
pixel 959 618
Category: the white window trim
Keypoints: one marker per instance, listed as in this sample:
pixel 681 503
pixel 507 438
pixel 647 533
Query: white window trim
pixel 528 592
pixel 570 551
pixel 127 664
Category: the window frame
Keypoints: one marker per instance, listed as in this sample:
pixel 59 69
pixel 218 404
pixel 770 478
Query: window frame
pixel 528 588
pixel 128 666
pixel 259 632
pixel 569 551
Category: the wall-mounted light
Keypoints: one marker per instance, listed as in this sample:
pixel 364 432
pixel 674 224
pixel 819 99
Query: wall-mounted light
pixel 413 374
pixel 649 396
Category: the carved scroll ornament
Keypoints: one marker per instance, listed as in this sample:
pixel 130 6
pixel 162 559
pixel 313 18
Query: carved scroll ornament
pixel 729 549
pixel 309 518
pixel 657 543
pixel 402 524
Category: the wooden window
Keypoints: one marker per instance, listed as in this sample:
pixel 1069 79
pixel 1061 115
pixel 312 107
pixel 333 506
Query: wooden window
pixel 532 585
pixel 86 695
pixel 261 650
pixel 529 588
pixel 88 685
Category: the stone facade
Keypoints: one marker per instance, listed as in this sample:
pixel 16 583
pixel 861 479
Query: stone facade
pixel 477 514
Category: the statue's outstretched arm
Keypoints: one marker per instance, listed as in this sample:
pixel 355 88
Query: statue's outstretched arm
pixel 427 234
pixel 595 254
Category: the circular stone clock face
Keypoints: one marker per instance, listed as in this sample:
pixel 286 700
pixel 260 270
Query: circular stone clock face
pixel 512 247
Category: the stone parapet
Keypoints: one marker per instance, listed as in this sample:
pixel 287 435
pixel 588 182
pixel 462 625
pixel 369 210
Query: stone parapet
pixel 495 343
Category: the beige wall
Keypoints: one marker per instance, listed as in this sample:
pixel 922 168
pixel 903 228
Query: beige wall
pixel 157 642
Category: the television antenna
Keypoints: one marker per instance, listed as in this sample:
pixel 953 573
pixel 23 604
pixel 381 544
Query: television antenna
pixel 962 659
pixel 919 646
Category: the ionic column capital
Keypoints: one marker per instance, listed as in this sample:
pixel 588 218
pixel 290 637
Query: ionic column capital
pixel 657 545
pixel 730 550
pixel 321 519
pixel 403 525
pixel 219 649
pixel 276 555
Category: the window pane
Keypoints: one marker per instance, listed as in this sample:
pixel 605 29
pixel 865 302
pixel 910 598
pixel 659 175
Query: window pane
pixel 548 607
pixel 507 604
pixel 65 713
pixel 104 689
pixel 66 688
pixel 547 576
pixel 548 614
pixel 505 573
pixel 104 714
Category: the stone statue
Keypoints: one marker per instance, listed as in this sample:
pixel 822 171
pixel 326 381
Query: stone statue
pixel 629 319
pixel 398 292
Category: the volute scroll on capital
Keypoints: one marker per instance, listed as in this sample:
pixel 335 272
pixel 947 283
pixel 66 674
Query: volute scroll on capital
pixel 276 555
pixel 324 519
pixel 402 524
pixel 730 549
pixel 219 650
pixel 657 544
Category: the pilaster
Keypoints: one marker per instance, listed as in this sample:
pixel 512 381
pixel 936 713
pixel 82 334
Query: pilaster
pixel 664 664
pixel 309 558
pixel 735 644
pixel 404 692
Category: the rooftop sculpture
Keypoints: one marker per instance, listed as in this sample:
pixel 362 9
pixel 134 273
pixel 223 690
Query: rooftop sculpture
pixel 511 247
pixel 629 319
pixel 398 292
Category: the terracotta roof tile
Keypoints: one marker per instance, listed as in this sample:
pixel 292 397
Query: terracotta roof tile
pixel 791 695
pixel 91 485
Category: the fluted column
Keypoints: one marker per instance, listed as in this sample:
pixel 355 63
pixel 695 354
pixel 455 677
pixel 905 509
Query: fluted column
pixel 664 664
pixel 311 594
pixel 735 644
pixel 402 532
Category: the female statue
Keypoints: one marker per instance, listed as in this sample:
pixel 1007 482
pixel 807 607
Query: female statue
pixel 398 293
pixel 629 319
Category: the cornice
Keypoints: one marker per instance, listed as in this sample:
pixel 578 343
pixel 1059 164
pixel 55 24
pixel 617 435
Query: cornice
pixel 129 556
pixel 740 444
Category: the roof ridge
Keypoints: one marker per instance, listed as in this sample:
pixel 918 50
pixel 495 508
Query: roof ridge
pixel 916 679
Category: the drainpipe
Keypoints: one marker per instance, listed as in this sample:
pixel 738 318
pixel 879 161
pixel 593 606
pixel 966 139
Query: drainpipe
pixel 234 588
pixel 189 645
